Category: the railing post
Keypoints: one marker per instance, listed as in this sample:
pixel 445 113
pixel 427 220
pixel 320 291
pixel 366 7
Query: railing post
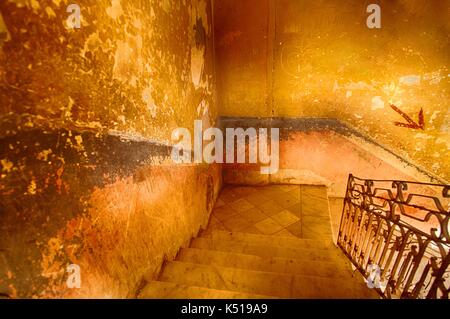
pixel 350 177
pixel 439 280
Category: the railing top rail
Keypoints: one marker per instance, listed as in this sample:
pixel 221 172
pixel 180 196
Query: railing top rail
pixel 397 180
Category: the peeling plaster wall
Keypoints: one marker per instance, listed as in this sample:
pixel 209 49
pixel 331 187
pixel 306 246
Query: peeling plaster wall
pixel 141 67
pixel 311 58
pixel 241 57
pixel 86 117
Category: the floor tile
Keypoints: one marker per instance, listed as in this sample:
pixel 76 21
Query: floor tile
pixel 295 229
pixel 268 226
pixel 270 207
pixel 296 209
pixel 315 220
pixel 223 212
pixel 243 191
pixel 236 223
pixel 228 196
pixel 218 226
pixel 241 205
pixel 252 230
pixel 285 200
pixel 253 215
pixel 213 220
pixel 316 231
pixel 315 207
pixel 289 210
pixel 314 191
pixel 284 233
pixel 257 198
pixel 213 225
pixel 219 203
pixel 271 191
pixel 285 218
pixel 295 193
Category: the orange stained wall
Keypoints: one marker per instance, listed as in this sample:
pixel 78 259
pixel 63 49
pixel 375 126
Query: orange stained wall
pixel 86 117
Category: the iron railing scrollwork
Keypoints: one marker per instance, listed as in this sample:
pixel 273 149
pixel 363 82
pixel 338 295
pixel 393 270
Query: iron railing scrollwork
pixel 403 228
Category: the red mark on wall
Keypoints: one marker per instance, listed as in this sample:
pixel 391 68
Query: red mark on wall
pixel 410 122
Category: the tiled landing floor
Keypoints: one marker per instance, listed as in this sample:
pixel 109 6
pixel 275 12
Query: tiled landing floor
pixel 280 210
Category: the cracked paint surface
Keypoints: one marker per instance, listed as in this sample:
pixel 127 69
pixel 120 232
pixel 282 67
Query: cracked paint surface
pixel 86 117
pixel 97 76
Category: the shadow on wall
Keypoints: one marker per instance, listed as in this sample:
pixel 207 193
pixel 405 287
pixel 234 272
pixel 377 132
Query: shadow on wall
pixel 117 213
pixel 322 152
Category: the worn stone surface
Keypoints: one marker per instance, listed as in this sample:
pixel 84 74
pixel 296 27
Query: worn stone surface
pixel 281 261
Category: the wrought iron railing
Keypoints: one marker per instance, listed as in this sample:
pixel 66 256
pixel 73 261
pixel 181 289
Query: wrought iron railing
pixel 402 230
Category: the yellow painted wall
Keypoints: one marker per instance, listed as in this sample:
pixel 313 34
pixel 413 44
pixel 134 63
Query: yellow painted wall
pixel 313 58
pixel 241 57
pixel 136 67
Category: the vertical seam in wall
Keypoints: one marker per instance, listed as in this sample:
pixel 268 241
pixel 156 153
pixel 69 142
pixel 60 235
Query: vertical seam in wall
pixel 274 45
pixel 270 56
pixel 301 211
pixel 213 35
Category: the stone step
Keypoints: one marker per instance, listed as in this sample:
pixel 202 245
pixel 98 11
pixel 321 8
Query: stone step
pixel 269 240
pixel 269 251
pixel 263 283
pixel 274 264
pixel 170 290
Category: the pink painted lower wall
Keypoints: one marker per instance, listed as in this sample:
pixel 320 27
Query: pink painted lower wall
pixel 325 157
pixel 129 226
